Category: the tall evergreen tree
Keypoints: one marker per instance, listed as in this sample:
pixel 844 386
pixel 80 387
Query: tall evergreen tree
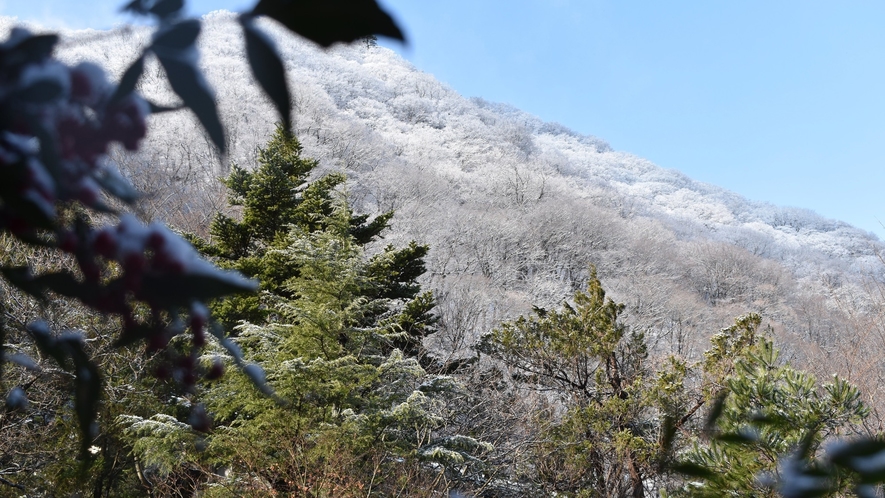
pixel 278 199
pixel 339 334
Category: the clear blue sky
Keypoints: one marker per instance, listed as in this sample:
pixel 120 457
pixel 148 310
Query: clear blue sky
pixel 778 101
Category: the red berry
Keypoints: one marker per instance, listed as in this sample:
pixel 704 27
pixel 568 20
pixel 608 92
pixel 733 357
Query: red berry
pixel 215 371
pixel 156 241
pixel 105 244
pixel 88 196
pixel 199 338
pixel 162 372
pixel 198 321
pixel 67 241
pixel 81 86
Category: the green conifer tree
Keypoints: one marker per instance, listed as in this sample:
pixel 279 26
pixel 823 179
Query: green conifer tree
pixel 771 416
pixel 608 441
pixel 339 334
pixel 278 198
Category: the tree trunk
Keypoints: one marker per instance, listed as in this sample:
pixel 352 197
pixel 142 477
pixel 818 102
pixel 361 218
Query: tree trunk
pixel 638 488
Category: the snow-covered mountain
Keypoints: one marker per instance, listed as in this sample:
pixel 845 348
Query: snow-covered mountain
pixel 514 208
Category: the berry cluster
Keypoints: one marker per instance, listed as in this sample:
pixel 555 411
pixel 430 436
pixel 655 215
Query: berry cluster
pixel 57 123
pixel 149 259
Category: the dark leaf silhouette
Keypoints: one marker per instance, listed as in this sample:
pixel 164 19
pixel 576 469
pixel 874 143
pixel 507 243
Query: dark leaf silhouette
pixel 715 412
pixel 157 108
pixel 180 290
pixel 179 36
pixel 187 81
pixel 62 283
pixel 114 183
pixel 87 380
pixel 129 80
pixel 48 149
pixel 12 175
pixel 87 391
pixel 31 49
pixel 693 470
pixel 864 456
pixel 135 6
pixel 34 209
pixel 2 340
pixel 23 279
pixel 842 454
pixel 330 21
pixel 39 92
pixel 166 8
pixel 22 360
pixel 27 204
pixel 134 333
pixel 47 344
pixel 736 438
pixel 268 69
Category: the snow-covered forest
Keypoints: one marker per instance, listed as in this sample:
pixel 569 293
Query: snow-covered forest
pixel 514 209
pixel 518 215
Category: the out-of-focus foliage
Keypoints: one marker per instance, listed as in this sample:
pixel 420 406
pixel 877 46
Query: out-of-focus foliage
pixel 279 203
pixel 57 123
pixel 768 433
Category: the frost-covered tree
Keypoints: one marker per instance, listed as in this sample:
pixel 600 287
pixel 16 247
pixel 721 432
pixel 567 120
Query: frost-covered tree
pixel 339 334
pixel 345 396
pixel 278 200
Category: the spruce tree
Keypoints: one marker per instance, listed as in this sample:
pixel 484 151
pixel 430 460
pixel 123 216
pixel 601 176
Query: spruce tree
pixel 279 198
pixel 339 333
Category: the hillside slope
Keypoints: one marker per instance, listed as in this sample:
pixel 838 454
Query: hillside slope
pixel 514 208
